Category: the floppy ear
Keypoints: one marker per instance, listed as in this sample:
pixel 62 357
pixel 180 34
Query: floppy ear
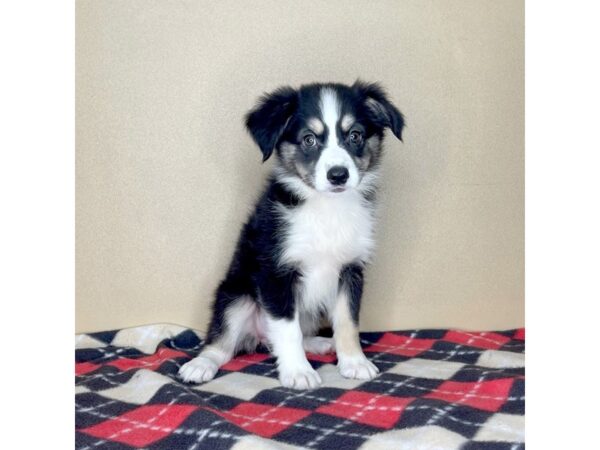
pixel 269 118
pixel 381 109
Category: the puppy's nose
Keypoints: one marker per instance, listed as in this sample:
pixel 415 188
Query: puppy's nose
pixel 337 175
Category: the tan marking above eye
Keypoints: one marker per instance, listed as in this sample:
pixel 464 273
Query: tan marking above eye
pixel 316 125
pixel 347 122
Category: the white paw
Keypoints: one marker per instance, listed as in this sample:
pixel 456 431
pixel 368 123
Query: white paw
pixel 299 378
pixel 198 370
pixel 318 345
pixel 357 367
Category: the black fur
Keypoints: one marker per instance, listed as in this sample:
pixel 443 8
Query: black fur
pixel 383 112
pixel 268 120
pixel 254 269
pixel 352 279
pixel 280 117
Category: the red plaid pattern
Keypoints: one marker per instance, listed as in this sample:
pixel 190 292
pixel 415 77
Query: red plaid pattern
pixel 143 425
pixel 486 395
pixel 244 361
pixel 455 388
pixel 149 362
pixel 264 420
pixel 397 344
pixel 482 340
pixel 377 410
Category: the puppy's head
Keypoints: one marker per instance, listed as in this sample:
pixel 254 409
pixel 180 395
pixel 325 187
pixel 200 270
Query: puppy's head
pixel 326 135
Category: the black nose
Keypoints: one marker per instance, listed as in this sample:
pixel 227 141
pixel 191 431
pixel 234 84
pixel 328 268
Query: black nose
pixel 337 175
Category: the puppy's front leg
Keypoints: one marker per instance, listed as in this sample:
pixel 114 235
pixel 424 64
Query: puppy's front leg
pixel 285 337
pixel 352 362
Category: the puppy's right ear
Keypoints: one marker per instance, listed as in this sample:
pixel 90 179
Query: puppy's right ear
pixel 269 118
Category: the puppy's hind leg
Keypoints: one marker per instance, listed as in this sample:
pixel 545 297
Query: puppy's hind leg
pixel 318 345
pixel 230 326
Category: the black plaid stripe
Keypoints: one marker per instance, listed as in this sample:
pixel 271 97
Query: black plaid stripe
pixel 92 409
pixel 492 445
pixel 516 400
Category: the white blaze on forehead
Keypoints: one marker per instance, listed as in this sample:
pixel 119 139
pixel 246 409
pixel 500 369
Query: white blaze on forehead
pixel 332 155
pixel 330 110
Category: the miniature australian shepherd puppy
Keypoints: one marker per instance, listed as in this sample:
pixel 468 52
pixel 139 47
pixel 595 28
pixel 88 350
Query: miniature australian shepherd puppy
pixel 300 258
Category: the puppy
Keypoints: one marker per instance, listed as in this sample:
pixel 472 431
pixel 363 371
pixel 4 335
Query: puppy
pixel 300 257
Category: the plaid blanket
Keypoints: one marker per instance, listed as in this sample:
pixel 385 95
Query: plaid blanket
pixel 438 389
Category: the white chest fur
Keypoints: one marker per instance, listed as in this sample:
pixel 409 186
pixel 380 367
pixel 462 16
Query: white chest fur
pixel 324 234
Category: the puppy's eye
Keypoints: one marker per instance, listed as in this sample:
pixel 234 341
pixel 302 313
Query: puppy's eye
pixel 355 137
pixel 309 140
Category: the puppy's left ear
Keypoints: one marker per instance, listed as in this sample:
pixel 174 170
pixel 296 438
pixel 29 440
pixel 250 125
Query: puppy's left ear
pixel 269 118
pixel 381 109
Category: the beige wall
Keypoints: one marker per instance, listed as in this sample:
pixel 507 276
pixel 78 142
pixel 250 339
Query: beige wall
pixel 166 173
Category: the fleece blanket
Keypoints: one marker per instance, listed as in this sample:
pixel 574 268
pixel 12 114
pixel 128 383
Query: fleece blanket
pixel 438 389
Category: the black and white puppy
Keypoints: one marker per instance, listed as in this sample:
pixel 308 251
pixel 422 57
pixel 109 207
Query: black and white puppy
pixel 300 257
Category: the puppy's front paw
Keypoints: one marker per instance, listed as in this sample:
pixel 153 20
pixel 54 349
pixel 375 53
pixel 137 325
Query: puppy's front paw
pixel 357 367
pixel 198 370
pixel 299 378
